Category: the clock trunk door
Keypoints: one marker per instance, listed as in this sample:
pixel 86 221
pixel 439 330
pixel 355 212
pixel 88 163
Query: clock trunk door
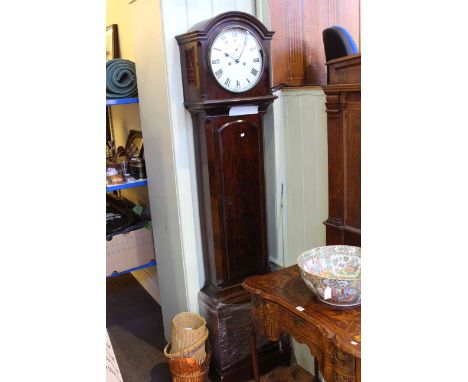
pixel 238 148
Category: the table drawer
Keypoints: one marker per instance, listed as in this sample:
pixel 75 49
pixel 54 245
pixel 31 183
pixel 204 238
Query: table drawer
pixel 298 327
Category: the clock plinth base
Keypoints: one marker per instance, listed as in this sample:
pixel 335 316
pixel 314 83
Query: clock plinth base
pixel 269 358
pixel 228 322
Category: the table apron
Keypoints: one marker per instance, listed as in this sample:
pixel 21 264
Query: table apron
pixel 273 321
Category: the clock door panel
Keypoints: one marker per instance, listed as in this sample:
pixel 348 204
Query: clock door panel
pixel 239 148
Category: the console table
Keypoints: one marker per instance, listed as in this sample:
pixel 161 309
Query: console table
pixel 282 304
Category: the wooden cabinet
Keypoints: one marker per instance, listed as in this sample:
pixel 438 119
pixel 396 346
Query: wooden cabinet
pixel 343 103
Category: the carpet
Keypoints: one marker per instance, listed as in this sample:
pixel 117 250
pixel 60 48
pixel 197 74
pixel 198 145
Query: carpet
pixel 134 324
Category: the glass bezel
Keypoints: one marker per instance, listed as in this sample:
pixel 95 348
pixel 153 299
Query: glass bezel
pixel 261 51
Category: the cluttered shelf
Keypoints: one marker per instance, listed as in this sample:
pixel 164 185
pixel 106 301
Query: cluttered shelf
pixel 129 235
pixel 128 184
pixel 121 101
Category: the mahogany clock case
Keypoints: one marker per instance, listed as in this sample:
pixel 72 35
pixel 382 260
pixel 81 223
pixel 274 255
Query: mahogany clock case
pixel 229 156
pixel 199 83
pixel 231 192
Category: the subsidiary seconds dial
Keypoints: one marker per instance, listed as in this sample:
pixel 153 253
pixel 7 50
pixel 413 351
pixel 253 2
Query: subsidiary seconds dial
pixel 236 59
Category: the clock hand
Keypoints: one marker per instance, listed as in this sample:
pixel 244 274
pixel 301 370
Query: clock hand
pixel 228 55
pixel 245 43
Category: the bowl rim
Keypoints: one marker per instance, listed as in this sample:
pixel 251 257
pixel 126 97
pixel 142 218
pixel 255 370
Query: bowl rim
pixel 329 278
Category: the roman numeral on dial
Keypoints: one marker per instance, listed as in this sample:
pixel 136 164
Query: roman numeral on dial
pixel 256 60
pixel 254 71
pixel 227 82
pixel 215 61
pixel 219 73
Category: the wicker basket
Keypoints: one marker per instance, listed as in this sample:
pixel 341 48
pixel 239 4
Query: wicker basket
pixel 196 351
pixel 188 329
pixel 189 369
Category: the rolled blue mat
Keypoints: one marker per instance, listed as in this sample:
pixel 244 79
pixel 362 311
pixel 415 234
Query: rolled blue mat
pixel 121 79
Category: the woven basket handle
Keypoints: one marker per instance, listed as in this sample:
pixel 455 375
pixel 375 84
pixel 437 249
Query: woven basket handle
pixel 186 350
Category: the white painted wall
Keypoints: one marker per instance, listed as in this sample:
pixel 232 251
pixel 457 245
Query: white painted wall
pixel 296 160
pixel 161 164
pixel 306 170
pixel 274 178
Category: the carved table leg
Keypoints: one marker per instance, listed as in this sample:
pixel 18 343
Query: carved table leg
pixel 358 370
pixel 316 370
pixel 253 352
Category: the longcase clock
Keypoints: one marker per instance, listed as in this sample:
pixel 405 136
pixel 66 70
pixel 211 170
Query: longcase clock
pixel 225 64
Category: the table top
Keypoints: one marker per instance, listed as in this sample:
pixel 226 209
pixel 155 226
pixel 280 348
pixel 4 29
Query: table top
pixel 286 288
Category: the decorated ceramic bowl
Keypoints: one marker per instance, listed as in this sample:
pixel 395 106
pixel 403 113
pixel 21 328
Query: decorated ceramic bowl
pixel 333 273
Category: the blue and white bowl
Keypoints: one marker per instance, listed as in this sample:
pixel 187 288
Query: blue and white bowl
pixel 333 273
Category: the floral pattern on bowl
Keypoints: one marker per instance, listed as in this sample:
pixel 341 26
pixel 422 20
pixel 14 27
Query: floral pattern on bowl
pixel 333 273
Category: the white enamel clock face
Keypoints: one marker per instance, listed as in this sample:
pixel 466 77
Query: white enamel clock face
pixel 236 59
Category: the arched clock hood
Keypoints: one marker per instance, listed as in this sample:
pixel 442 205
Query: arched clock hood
pixel 202 28
pixel 201 90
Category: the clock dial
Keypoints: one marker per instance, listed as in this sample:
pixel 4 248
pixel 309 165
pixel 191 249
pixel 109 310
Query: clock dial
pixel 236 59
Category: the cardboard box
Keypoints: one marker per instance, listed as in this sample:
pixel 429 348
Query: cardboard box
pixel 112 367
pixel 129 250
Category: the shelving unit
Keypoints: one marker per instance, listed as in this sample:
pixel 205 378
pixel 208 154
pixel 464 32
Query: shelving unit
pixel 152 263
pixel 136 183
pixel 127 185
pixel 121 101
